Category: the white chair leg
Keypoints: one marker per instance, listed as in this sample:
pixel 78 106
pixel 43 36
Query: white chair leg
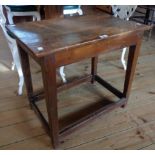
pixel 123 58
pixel 19 70
pixel 13 66
pixel 37 15
pixel 62 74
pixel 80 12
pixel 20 85
pixel 16 59
pixel 10 17
pixel 33 18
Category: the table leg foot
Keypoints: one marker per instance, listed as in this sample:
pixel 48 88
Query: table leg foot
pixel 124 106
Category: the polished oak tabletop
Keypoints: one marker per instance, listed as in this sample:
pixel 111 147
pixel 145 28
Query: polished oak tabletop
pixel 50 36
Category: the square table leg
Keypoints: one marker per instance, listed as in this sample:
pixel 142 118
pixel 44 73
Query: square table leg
pixel 131 67
pixel 50 87
pixel 27 74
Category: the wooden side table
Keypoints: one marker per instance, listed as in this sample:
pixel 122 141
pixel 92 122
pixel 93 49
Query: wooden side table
pixel 59 42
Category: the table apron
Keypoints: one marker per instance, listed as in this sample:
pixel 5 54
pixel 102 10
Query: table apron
pixel 75 54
